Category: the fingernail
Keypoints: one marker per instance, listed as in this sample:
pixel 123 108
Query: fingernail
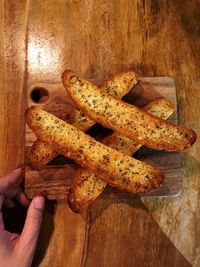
pixel 41 195
pixel 22 168
pixel 39 202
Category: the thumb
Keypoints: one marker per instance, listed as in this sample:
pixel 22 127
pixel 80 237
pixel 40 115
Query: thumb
pixel 32 224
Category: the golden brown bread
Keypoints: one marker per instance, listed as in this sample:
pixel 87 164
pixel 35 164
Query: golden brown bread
pixel 86 186
pixel 126 119
pixel 119 85
pixel 84 189
pixel 113 167
pixel 41 153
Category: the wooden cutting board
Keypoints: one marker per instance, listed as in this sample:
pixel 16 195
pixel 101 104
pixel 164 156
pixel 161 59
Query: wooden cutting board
pixel 55 179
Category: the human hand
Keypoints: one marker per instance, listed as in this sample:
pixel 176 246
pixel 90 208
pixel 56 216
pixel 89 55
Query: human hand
pixel 18 250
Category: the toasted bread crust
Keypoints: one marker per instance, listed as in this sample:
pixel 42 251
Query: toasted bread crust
pixel 126 119
pixel 41 153
pixel 113 167
pixel 119 85
pixel 85 186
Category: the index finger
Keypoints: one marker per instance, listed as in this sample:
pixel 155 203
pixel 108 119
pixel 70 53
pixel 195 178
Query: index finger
pixel 9 180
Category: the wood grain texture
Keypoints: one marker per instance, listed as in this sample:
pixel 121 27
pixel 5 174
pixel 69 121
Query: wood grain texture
pixel 62 237
pixel 13 15
pixel 135 249
pixel 95 39
pixel 54 180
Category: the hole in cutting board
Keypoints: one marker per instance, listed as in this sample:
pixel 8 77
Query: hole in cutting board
pixel 39 94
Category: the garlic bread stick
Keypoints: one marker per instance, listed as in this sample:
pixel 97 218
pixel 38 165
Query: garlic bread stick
pixel 86 186
pixel 119 85
pixel 123 172
pixel 126 119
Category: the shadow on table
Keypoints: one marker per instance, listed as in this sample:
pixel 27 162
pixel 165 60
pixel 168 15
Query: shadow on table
pixel 45 235
pixel 150 244
pixel 135 230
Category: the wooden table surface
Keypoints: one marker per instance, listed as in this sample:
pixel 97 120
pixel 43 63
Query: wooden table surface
pixel 39 39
